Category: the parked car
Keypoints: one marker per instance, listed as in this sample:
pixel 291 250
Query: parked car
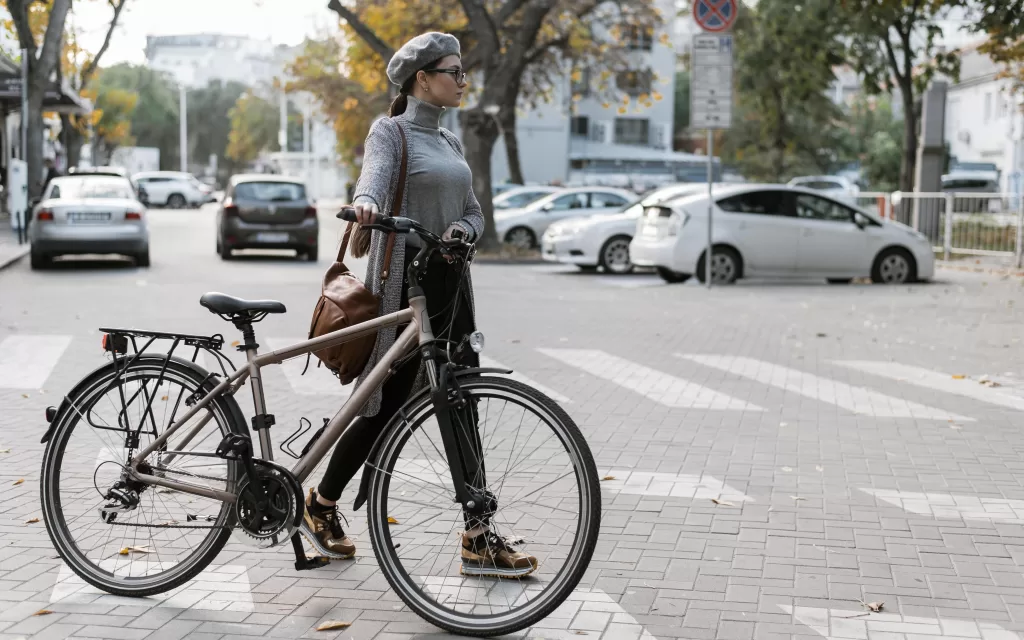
pixel 962 181
pixel 524 227
pixel 173 189
pixel 603 241
pixel 519 197
pixel 502 187
pixel 88 214
pixel 837 187
pixel 262 211
pixel 778 231
pixel 140 192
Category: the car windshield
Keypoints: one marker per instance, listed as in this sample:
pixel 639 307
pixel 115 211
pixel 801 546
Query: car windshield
pixel 270 191
pixel 517 199
pixel 658 196
pixel 92 188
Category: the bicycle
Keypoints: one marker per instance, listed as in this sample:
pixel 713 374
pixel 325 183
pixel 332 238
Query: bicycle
pixel 184 498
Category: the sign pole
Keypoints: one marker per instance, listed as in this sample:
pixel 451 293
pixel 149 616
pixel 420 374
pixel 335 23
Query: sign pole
pixel 711 206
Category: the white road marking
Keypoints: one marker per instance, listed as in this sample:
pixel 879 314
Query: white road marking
pixel 697 487
pixel 223 588
pixel 841 624
pixel 660 387
pixel 854 399
pixel 631 281
pixel 548 391
pixel 946 505
pixel 318 381
pixel 936 380
pixel 27 360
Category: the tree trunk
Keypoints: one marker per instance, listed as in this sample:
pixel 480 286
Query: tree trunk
pixel 508 131
pixel 909 150
pixel 34 153
pixel 479 133
pixel 72 140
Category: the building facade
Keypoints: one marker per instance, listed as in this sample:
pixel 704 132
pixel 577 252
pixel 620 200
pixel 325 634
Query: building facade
pixel 193 60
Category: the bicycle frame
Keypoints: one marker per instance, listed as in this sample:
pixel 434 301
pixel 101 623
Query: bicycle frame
pixel 419 327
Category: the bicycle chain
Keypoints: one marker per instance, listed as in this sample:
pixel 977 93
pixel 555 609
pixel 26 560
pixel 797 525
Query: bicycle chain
pixel 173 526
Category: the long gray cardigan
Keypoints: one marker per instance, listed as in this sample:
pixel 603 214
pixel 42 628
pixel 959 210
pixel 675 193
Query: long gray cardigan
pixel 378 180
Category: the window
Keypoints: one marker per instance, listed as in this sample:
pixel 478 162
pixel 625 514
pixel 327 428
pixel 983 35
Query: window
pixel 1004 105
pixel 580 126
pixel 988 107
pixel 638 37
pixel 769 203
pixel 571 201
pixel 632 131
pixel 602 200
pixel 519 200
pixel 820 185
pixel 54 191
pixel 815 208
pixel 635 82
pixel 581 86
pixel 270 191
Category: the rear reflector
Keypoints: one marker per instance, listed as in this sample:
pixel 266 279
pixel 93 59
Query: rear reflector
pixel 133 215
pixel 230 210
pixel 44 214
pixel 115 343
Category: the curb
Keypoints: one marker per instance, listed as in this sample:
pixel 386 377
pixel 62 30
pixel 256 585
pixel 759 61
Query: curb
pixel 12 258
pixel 999 271
pixel 504 261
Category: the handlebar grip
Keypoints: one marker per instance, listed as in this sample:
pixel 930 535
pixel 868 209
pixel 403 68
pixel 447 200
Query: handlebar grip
pixel 349 214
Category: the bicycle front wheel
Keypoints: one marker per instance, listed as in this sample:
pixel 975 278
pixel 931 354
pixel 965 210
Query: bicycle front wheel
pixel 539 469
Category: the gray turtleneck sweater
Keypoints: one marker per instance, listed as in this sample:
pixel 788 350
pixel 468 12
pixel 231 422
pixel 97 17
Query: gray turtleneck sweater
pixel 439 183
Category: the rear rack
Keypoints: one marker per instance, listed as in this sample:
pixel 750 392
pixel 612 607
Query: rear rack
pixel 116 341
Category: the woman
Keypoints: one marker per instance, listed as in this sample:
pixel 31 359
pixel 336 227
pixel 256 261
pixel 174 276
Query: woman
pixel 438 193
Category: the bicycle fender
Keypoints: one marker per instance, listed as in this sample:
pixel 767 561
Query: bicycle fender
pixel 364 482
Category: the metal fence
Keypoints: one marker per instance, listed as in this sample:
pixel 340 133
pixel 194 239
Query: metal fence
pixel 969 223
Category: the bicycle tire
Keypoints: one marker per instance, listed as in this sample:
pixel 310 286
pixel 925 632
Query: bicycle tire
pixel 228 416
pixel 567 580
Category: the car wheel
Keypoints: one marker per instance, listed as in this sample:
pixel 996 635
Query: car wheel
pixel 672 277
pixel 176 201
pixel 587 268
pixel 38 261
pixel 521 238
pixel 894 266
pixel 224 251
pixel 725 266
pixel 840 280
pixel 142 260
pixel 312 253
pixel 614 255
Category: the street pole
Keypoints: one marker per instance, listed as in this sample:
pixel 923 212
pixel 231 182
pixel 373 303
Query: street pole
pixel 711 206
pixel 282 132
pixel 183 127
pixel 24 104
pixel 306 146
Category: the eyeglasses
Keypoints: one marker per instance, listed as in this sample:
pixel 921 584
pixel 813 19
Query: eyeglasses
pixel 458 74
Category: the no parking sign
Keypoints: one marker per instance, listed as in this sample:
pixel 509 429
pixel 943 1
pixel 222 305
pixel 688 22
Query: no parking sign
pixel 715 15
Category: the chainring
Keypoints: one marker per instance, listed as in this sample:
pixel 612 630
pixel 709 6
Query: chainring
pixel 286 507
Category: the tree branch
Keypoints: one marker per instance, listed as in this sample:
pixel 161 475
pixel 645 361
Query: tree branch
pixel 483 26
pixel 94 64
pixel 541 49
pixel 892 58
pixel 366 33
pixel 526 35
pixel 508 10
pixel 19 15
pixel 53 36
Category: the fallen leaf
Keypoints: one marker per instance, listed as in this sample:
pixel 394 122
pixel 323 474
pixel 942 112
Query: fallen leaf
pixel 822 335
pixel 42 612
pixel 330 625
pixel 392 520
pixel 24 395
pixel 126 550
pixel 608 478
pixel 19 481
pixel 874 606
pixel 990 383
pixel 797 498
pixel 163 397
pixel 959 377
pixel 32 521
pixel 235 343
pixel 5 450
pixel 580 633
pixel 724 503
pixel 787 469
pixel 818 467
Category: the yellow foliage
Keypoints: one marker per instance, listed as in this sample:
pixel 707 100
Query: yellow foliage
pixel 606 105
pixel 657 96
pixel 623 110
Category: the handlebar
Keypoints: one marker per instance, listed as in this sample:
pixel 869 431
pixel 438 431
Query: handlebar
pixel 398 224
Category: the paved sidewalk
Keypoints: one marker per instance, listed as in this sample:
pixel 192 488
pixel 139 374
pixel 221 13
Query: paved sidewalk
pixel 10 250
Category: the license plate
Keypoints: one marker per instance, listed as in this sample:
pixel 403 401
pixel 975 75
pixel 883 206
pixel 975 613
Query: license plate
pixel 271 238
pixel 89 216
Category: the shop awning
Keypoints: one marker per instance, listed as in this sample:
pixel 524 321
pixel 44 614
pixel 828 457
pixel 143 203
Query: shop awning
pixel 59 97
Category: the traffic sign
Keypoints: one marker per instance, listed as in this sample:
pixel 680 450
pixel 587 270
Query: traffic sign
pixel 711 87
pixel 715 15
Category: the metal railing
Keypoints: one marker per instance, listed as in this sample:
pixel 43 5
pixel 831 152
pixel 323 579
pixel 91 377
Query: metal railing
pixel 965 223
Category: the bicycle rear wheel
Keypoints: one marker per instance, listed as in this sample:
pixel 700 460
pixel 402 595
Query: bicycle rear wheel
pixel 542 475
pixel 169 536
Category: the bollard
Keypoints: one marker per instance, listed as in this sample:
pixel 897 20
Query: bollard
pixel 947 232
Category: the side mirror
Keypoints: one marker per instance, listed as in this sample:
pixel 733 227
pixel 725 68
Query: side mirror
pixel 548 207
pixel 143 197
pixel 861 222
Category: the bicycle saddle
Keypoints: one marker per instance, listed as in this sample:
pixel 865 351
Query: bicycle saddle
pixel 229 305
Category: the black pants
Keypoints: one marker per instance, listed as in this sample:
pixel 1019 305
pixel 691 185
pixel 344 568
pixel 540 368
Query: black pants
pixel 440 286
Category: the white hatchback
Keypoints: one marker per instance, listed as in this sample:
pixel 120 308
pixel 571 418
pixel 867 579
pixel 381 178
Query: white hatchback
pixel 603 241
pixel 778 231
pixel 523 228
pixel 173 189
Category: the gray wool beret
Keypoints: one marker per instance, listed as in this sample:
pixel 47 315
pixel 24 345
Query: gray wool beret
pixel 422 50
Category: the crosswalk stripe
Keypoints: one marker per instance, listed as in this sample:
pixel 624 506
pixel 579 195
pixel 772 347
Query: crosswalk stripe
pixel 855 399
pixel 936 380
pixel 222 588
pixel 27 360
pixel 953 506
pixel 660 387
pixel 485 361
pixel 840 624
pixel 683 485
pixel 318 381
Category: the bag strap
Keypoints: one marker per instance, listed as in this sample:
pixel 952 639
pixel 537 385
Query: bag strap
pixel 344 241
pixel 396 202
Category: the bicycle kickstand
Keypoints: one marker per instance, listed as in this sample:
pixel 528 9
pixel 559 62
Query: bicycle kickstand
pixel 303 563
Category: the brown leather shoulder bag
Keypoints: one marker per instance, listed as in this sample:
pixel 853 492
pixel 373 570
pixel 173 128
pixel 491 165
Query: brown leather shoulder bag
pixel 345 301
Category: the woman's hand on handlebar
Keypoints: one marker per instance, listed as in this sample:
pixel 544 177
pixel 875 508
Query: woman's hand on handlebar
pixel 454 233
pixel 366 211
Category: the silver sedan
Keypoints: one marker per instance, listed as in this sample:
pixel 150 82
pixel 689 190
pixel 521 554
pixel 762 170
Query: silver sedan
pixel 89 215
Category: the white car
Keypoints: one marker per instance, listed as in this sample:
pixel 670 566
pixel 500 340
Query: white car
pixel 519 197
pixel 836 187
pixel 778 231
pixel 173 189
pixel 603 241
pixel 522 228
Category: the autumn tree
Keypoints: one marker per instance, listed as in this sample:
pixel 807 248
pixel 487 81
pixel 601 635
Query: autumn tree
pixel 43 56
pixel 1003 22
pixel 501 40
pixel 254 123
pixel 111 120
pixel 896 44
